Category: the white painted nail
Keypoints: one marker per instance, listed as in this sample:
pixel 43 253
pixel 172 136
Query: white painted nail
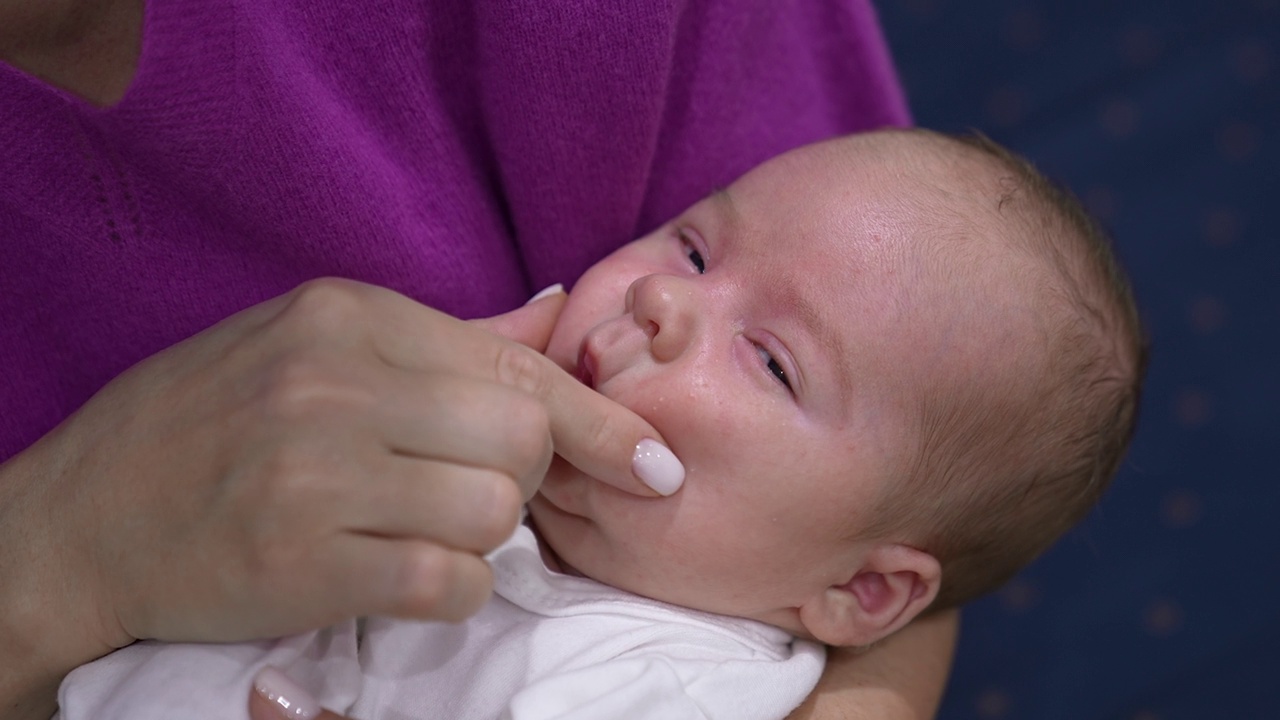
pixel 545 292
pixel 657 466
pixel 290 700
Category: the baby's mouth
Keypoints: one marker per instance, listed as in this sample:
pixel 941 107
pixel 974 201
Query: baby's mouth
pixel 586 372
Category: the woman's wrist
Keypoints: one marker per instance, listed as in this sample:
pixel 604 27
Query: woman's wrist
pixel 48 619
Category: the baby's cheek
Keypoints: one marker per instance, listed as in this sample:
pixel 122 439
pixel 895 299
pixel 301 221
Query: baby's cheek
pixel 661 396
pixel 558 352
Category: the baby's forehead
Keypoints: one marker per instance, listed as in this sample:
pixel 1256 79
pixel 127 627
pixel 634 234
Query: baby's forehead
pixel 983 289
pixel 920 218
pixel 942 170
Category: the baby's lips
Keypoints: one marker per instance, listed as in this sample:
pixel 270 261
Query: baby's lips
pixel 657 467
pixel 586 371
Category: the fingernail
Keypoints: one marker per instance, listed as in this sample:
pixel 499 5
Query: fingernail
pixel 289 700
pixel 657 466
pixel 544 292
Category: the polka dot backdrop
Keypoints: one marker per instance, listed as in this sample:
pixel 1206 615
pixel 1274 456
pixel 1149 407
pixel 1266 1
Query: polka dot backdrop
pixel 1164 116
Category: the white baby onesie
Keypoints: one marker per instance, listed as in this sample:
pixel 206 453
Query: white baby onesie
pixel 546 646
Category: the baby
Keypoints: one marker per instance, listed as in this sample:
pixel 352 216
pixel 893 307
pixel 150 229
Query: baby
pixel 896 366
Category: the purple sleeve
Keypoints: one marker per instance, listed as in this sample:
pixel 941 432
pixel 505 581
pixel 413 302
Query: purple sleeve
pixel 462 153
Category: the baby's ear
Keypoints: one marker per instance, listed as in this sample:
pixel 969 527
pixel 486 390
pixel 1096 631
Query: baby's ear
pixel 894 584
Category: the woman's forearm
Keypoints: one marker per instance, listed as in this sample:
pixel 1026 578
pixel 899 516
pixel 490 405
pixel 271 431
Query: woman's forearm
pixel 902 678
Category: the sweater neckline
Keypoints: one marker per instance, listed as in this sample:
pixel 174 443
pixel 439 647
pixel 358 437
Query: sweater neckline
pixel 167 57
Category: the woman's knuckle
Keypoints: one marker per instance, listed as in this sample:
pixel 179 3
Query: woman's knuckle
pixel 427 574
pixel 604 431
pixel 498 513
pixel 521 368
pixel 326 304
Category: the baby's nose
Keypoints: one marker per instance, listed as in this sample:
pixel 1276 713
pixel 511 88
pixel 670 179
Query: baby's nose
pixel 663 305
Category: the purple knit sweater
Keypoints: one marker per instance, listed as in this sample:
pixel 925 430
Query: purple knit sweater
pixel 462 153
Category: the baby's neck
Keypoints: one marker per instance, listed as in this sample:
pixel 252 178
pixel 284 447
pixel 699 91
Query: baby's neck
pixel 553 562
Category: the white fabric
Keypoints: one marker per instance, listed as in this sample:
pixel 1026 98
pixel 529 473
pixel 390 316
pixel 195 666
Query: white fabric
pixel 547 646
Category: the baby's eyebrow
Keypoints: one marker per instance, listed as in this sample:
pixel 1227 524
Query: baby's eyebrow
pixel 721 196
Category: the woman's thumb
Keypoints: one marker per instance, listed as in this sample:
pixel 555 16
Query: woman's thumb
pixel 530 325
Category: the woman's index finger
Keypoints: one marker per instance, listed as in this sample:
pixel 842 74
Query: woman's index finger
pixel 595 434
pixel 607 440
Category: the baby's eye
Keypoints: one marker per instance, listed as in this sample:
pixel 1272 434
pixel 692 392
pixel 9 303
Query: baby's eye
pixel 774 367
pixel 695 257
pixel 693 254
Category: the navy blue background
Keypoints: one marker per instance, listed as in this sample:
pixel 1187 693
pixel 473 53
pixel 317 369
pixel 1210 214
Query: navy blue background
pixel 1165 118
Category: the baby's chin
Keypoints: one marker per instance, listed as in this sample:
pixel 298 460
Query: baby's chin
pixel 568 515
pixel 550 557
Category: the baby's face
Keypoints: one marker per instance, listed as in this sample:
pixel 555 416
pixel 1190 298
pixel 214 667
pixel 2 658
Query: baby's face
pixel 775 334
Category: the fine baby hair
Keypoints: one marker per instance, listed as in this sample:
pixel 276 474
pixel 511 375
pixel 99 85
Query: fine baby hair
pixel 1010 461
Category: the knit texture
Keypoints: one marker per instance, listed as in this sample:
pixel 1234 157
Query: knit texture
pixel 464 154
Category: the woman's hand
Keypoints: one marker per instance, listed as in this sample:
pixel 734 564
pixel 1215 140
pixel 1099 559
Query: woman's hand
pixel 337 451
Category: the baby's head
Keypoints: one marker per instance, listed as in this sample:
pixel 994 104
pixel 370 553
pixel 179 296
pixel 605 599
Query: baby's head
pixel 896 366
